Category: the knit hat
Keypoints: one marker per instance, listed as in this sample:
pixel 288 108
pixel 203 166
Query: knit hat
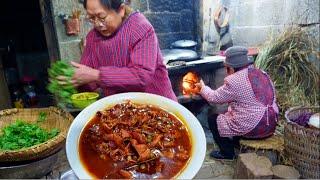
pixel 236 57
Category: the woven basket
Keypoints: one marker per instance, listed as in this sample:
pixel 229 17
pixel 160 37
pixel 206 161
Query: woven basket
pixel 302 145
pixel 56 118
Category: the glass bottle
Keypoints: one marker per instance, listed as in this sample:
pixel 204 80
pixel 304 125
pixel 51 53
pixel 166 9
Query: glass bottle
pixel 30 93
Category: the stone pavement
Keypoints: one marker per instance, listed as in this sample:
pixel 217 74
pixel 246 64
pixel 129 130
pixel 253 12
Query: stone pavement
pixel 213 169
pixel 210 169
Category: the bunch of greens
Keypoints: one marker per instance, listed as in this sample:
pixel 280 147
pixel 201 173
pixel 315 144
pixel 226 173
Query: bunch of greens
pixel 20 134
pixel 291 60
pixel 62 92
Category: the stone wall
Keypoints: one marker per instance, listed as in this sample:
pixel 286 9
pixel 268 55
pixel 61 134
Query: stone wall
pixel 253 21
pixel 69 46
pixel 172 19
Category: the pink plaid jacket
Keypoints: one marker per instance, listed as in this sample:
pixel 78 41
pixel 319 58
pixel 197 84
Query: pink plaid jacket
pixel 128 61
pixel 244 111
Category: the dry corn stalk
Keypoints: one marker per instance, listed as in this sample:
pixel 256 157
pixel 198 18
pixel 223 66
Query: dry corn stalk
pixel 291 60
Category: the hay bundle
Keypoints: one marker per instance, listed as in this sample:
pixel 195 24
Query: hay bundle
pixel 291 60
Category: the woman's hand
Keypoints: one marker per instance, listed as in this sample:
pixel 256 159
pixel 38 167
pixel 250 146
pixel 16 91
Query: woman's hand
pixel 200 85
pixel 83 74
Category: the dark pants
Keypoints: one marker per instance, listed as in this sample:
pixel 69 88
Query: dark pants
pixel 225 144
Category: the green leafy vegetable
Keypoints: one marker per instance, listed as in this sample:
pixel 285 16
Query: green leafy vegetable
pixel 62 92
pixel 20 135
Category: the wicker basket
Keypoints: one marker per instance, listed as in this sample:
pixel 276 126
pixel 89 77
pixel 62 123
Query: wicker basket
pixel 302 145
pixel 56 118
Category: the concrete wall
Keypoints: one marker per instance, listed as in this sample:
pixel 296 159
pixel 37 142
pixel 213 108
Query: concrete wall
pixel 172 19
pixel 253 21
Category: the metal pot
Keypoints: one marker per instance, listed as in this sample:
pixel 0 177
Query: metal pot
pixel 179 55
pixel 184 44
pixel 29 170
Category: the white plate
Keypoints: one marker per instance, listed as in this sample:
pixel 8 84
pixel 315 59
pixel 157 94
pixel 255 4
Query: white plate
pixel 195 129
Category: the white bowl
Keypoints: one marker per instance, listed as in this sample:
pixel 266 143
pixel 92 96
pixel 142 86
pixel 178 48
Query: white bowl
pixel 198 139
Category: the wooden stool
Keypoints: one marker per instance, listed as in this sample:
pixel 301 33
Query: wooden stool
pixel 271 147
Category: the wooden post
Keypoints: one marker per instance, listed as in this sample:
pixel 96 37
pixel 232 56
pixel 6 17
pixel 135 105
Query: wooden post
pixel 49 30
pixel 5 101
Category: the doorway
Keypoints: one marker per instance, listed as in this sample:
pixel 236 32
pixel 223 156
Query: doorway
pixel 24 54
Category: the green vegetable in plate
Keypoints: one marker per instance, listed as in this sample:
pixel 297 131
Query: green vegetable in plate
pixel 21 134
pixel 62 92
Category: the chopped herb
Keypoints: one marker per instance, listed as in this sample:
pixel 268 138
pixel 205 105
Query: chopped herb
pixel 21 134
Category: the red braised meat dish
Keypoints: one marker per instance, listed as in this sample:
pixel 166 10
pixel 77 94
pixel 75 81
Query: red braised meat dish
pixel 134 141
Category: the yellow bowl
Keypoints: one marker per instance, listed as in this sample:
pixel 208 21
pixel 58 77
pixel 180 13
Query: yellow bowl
pixel 82 100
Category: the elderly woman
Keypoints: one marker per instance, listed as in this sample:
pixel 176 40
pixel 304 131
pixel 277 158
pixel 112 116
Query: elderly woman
pixel 252 111
pixel 122 53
